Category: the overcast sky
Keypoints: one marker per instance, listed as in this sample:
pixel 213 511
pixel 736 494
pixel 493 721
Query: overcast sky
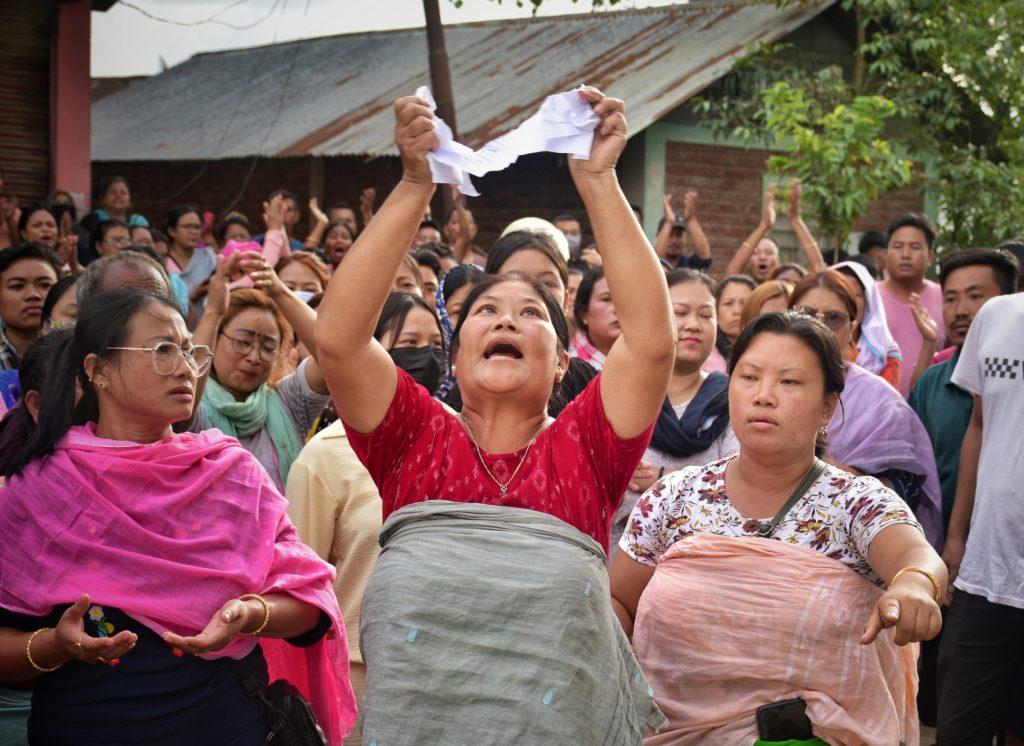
pixel 126 42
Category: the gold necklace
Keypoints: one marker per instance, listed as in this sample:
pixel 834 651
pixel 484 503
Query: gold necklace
pixel 528 443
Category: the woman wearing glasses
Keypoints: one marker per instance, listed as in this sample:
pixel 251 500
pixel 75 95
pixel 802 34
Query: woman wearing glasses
pixel 185 257
pixel 245 395
pixel 156 559
pixel 874 431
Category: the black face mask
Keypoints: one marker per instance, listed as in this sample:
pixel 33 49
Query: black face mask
pixel 424 364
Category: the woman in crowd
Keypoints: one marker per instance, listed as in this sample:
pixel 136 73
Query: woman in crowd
pixel 60 309
pixel 759 255
pixel 732 296
pixel 874 431
pixel 407 278
pixel 535 255
pixel 693 426
pixel 185 257
pixel 489 515
pixel 789 273
pixel 874 348
pixel 303 274
pixel 338 239
pixel 332 498
pixel 235 227
pixel 38 225
pixel 269 417
pixel 149 625
pixel 594 312
pixel 109 237
pixel 455 287
pixel 770 296
pixel 113 201
pixel 750 580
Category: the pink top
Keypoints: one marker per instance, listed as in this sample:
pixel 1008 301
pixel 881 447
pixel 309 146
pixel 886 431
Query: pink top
pixel 577 470
pixel 946 354
pixel 904 328
pixel 715 363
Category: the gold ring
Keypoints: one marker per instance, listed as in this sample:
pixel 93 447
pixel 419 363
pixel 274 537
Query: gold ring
pixel 78 643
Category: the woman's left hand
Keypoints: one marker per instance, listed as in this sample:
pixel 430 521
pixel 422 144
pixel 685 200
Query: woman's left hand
pixel 231 620
pixel 910 608
pixel 609 136
pixel 263 275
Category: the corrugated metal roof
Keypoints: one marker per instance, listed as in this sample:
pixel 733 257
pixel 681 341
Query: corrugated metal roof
pixel 333 95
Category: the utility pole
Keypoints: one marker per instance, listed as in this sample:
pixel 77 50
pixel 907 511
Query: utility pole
pixel 440 74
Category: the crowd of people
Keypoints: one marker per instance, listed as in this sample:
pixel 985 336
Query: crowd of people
pixel 545 491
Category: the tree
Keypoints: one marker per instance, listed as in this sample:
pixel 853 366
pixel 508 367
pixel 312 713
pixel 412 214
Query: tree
pixel 951 73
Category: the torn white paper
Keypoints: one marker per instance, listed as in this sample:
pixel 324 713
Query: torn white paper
pixel 564 123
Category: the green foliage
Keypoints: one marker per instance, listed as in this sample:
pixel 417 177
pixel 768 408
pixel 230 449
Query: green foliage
pixel 949 75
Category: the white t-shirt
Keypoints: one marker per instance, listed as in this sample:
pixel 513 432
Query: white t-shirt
pixel 991 365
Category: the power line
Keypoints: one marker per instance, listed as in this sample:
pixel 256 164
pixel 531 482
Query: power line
pixel 211 19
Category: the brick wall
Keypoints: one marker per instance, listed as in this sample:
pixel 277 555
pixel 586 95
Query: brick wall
pixel 730 180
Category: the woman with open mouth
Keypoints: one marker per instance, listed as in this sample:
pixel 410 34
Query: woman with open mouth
pixel 490 585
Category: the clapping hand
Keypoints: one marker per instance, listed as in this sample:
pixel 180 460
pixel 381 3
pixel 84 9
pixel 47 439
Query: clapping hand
pixel 318 215
pixel 667 211
pixel 273 213
pixel 366 200
pixel 925 323
pixel 793 208
pixel 690 206
pixel 768 214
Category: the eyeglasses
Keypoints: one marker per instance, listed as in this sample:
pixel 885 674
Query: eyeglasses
pixel 168 355
pixel 117 240
pixel 191 226
pixel 834 320
pixel 243 346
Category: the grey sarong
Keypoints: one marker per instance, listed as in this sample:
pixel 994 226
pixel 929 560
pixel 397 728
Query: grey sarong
pixel 485 624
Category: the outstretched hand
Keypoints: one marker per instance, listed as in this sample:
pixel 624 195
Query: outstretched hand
pixel 908 608
pixel 70 636
pixel 415 137
pixel 609 136
pixel 231 620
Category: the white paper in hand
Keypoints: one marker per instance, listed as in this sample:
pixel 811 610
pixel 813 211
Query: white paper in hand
pixel 565 123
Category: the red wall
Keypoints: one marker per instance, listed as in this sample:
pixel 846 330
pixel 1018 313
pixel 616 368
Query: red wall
pixel 70 100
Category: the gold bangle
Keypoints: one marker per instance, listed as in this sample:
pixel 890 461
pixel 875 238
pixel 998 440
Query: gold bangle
pixel 927 574
pixel 266 613
pixel 28 652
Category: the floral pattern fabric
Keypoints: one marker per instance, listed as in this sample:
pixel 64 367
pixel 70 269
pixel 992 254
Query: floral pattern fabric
pixel 839 516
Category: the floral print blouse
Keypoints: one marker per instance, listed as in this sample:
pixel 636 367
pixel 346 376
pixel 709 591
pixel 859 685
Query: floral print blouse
pixel 839 515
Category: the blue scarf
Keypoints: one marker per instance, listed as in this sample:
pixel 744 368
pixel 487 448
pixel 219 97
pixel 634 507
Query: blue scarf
pixel 705 418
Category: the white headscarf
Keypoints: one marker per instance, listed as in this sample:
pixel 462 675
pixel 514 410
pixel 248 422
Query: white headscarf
pixel 876 343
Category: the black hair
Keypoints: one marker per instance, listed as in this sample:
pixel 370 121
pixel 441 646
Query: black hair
pixel 28 250
pixel 814 334
pixel 427 258
pixel 679 276
pixel 564 218
pixel 677 223
pixel 334 224
pixel 431 224
pixel 340 206
pixel 235 218
pixel 583 293
pixel 139 227
pixel 872 240
pixel 735 280
pixel 1004 266
pixel 578 267
pixel 284 194
pixel 158 235
pixel 516 241
pixel 489 281
pixel 31 210
pixel 55 294
pixel 103 186
pixel 100 232
pixel 58 209
pixel 395 311
pixel 868 263
pixel 638 211
pixel 1016 247
pixel 913 220
pixel 440 250
pixel 17 426
pixel 459 276
pixel 177 213
pixel 103 323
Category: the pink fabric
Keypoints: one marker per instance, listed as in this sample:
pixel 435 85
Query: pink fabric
pixel 946 354
pixel 729 624
pixel 168 532
pixel 904 328
pixel 715 363
pixel 584 349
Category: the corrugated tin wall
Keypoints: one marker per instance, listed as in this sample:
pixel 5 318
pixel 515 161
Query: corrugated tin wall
pixel 25 97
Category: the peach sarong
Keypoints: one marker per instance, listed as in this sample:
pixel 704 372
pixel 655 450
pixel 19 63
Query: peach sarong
pixel 729 624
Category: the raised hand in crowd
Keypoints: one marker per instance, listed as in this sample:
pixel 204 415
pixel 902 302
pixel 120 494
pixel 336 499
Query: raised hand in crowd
pixel 467 228
pixel 929 330
pixel 591 256
pixel 366 202
pixel 815 260
pixel 739 262
pixel 320 222
pixel 643 478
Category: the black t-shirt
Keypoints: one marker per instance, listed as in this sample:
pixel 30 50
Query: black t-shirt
pixel 152 695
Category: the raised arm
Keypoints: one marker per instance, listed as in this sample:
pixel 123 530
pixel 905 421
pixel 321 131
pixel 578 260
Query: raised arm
pixel 359 372
pixel 366 201
pixel 460 248
pixel 636 373
pixel 815 261
pixel 695 233
pixel 661 241
pixel 315 238
pixel 738 264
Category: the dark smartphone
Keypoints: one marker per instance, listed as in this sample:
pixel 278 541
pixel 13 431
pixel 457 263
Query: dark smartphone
pixel 784 721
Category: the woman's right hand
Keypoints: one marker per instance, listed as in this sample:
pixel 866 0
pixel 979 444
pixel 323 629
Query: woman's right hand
pixel 217 291
pixel 72 641
pixel 415 137
pixel 318 215
pixel 273 214
pixel 768 214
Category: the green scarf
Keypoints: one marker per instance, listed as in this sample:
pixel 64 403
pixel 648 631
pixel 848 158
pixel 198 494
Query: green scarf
pixel 240 419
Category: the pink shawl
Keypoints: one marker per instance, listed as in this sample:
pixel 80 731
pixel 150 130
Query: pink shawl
pixel 729 624
pixel 168 532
